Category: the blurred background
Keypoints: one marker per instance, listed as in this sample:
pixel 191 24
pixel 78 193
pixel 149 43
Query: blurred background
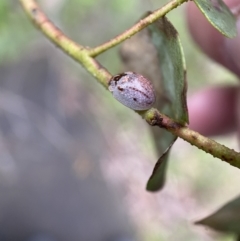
pixel 72 163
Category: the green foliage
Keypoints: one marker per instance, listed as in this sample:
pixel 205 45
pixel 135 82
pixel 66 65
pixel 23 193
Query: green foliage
pixel 219 15
pixel 226 219
pixel 172 67
pixel 157 179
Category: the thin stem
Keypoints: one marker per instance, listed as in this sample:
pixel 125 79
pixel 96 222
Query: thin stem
pixel 136 28
pixel 152 116
pixel 210 146
pixel 74 50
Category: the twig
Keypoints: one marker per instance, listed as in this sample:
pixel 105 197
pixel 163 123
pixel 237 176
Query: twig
pixel 74 50
pixel 152 116
pixel 210 146
pixel 143 23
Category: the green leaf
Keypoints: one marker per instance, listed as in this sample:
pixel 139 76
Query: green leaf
pixel 226 219
pixel 173 72
pixel 219 15
pixel 157 179
pixel 156 53
pixel 173 69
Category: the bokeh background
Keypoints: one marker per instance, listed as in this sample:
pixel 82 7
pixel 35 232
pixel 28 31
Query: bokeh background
pixel 73 162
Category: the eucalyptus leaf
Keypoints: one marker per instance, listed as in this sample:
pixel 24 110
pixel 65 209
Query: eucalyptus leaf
pixel 156 53
pixel 173 75
pixel 157 179
pixel 173 69
pixel 219 15
pixel 226 219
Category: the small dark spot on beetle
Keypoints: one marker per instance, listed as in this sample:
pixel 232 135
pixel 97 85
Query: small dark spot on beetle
pixel 135 99
pixel 139 91
pixel 119 76
pixel 119 88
